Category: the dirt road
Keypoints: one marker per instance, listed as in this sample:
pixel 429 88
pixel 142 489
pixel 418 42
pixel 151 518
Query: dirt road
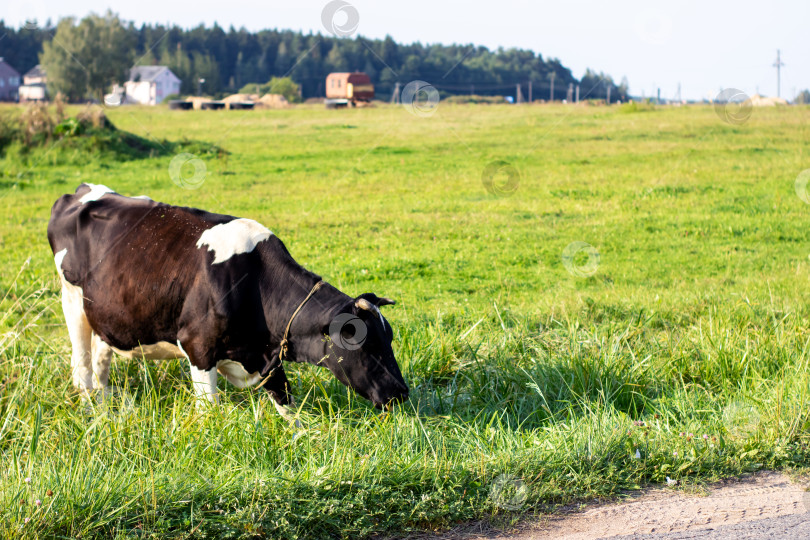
pixel 766 505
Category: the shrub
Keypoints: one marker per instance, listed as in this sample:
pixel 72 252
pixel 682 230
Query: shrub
pixel 472 98
pixel 636 106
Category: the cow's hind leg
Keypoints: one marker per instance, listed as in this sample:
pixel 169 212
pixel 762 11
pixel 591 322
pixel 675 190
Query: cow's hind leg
pixel 102 357
pixel 80 336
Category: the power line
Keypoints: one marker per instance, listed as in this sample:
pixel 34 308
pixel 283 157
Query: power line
pixel 778 65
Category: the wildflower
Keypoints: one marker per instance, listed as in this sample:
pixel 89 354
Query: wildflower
pixel 657 416
pixel 675 454
pixel 671 482
pixel 28 480
pixel 26 520
pixel 705 437
pixel 691 435
pixel 683 434
pixel 638 454
pixel 49 493
pixel 38 502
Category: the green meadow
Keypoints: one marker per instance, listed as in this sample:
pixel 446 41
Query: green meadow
pixel 589 299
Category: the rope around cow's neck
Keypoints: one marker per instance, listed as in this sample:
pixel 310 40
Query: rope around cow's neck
pixel 284 341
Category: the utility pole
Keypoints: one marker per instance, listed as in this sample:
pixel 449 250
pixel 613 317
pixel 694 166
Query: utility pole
pixel 608 94
pixel 569 97
pixel 518 94
pixel 395 96
pixel 551 94
pixel 577 99
pixel 678 98
pixel 200 82
pixel 530 92
pixel 778 65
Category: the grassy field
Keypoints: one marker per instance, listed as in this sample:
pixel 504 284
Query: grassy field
pixel 676 345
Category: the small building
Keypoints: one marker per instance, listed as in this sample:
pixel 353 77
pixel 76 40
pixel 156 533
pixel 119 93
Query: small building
pixel 35 75
pixel 34 87
pixel 150 85
pixel 9 82
pixel 352 87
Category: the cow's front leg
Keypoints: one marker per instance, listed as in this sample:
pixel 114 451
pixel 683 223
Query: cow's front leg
pixel 203 381
pixel 278 387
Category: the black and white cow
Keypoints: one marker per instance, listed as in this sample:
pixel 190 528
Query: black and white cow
pixel 151 280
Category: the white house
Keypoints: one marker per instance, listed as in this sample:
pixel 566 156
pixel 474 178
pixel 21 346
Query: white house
pixel 34 86
pixel 149 85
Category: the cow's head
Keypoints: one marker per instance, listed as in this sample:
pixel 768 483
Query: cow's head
pixel 356 348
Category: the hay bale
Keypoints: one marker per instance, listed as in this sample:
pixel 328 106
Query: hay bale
pixel 239 98
pixel 240 101
pixel 760 101
pixel 198 101
pixel 272 101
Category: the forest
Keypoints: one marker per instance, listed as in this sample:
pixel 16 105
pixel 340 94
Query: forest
pixel 230 59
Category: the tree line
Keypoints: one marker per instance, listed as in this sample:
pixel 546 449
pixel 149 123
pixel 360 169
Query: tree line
pixel 83 58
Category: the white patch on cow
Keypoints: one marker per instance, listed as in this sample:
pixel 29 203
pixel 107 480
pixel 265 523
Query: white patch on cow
pixel 232 238
pixel 162 350
pixel 144 197
pixel 236 374
pixel 95 193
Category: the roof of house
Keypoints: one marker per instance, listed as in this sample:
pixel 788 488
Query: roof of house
pixel 35 71
pixel 6 69
pixel 147 73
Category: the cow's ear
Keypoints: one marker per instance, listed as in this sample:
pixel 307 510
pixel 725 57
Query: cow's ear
pixel 375 300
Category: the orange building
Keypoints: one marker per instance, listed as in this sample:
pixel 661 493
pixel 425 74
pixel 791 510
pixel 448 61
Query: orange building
pixel 352 87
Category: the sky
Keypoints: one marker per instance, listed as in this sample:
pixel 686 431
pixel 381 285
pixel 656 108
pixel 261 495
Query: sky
pixel 703 46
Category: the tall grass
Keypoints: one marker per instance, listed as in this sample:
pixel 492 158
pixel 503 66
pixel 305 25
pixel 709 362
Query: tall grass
pixel 563 408
pixel 685 356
